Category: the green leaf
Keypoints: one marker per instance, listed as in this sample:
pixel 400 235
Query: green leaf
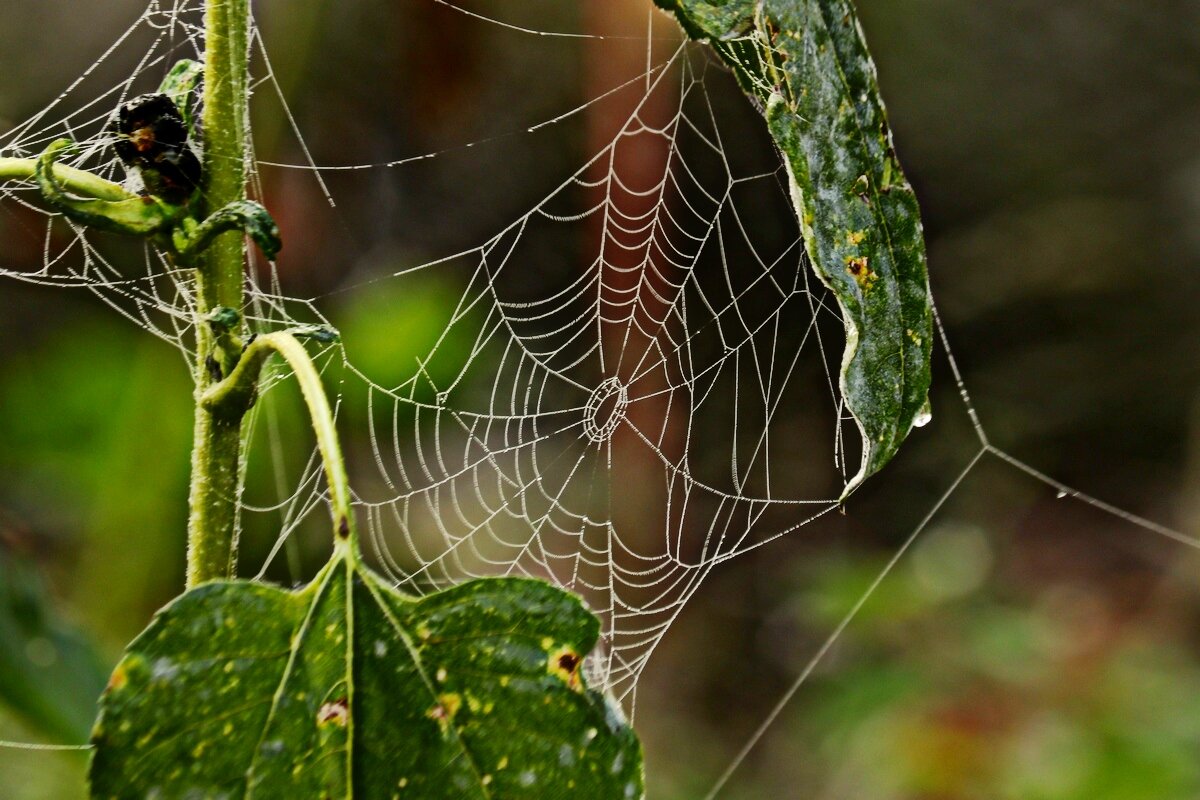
pixel 348 688
pixel 807 63
pixel 182 85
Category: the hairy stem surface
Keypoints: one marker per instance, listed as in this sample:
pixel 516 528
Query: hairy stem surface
pixel 217 443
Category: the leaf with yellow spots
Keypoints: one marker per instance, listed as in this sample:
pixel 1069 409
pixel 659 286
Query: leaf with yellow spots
pixel 806 63
pixel 349 688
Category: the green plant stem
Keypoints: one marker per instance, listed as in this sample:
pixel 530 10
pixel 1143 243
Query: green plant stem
pixel 71 179
pixel 233 397
pixel 217 443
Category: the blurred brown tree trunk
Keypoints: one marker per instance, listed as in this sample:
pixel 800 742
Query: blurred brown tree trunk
pixel 635 293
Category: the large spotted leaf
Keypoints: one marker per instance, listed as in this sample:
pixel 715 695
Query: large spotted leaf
pixel 347 688
pixel 806 63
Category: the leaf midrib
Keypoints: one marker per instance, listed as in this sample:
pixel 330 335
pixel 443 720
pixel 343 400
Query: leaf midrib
pixel 414 654
pixel 293 651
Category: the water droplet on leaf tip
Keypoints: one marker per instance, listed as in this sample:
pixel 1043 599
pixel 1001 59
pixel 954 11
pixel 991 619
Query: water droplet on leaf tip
pixel 924 416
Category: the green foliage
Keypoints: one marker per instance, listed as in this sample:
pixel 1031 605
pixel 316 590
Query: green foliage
pixel 182 85
pixel 49 673
pixel 391 329
pixel 1038 691
pixel 806 61
pixel 348 688
pixel 108 483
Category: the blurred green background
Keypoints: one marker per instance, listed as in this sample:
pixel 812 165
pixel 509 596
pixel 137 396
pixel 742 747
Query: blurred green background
pixel 1028 647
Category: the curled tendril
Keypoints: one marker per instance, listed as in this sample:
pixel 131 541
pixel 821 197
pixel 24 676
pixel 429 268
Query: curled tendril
pixel 244 215
pixel 135 216
pixel 147 215
pixel 153 138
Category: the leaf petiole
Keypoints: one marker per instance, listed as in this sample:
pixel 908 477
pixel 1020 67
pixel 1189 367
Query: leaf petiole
pixel 233 397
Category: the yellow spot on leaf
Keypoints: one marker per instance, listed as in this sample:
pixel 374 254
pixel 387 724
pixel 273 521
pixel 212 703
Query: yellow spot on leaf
pixel 118 679
pixel 564 663
pixel 860 269
pixel 451 701
pixel 336 712
pixel 445 709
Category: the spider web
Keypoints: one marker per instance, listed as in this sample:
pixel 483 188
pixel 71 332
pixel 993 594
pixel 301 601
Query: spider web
pixel 668 358
pixel 621 423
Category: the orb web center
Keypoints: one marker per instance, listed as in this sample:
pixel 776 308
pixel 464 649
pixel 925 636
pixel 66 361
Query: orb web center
pixel 605 409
